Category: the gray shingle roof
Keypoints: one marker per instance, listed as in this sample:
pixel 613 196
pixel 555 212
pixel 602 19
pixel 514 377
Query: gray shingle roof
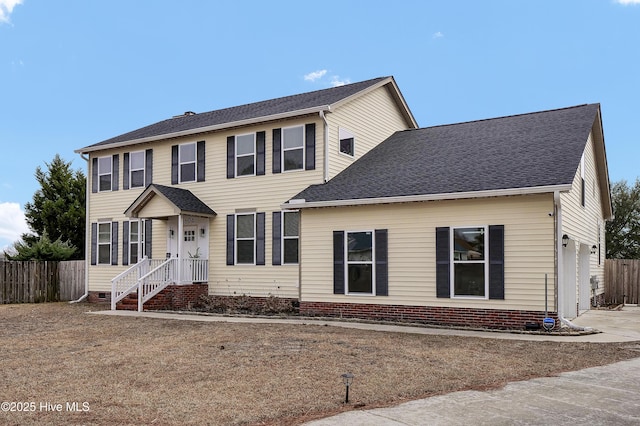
pixel 183 199
pixel 287 104
pixel 521 151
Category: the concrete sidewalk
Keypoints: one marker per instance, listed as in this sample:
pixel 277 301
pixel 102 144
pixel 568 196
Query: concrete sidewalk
pixel 608 395
pixel 615 326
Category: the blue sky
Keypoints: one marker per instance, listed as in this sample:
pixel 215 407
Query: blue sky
pixel 75 72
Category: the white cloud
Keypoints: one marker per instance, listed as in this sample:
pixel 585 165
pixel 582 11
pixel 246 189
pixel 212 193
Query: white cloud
pixel 12 224
pixel 627 2
pixel 6 7
pixel 313 76
pixel 438 35
pixel 337 81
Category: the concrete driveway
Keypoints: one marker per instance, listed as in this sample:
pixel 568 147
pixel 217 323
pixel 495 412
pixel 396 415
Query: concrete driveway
pixel 608 395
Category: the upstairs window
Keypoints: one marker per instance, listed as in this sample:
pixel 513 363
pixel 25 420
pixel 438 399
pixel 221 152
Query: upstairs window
pixel 136 169
pixel 293 148
pixel 347 142
pixel 105 168
pixel 187 162
pixel 245 155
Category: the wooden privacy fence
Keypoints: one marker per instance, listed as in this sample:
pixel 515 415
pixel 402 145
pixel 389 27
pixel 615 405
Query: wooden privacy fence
pixel 621 281
pixel 41 281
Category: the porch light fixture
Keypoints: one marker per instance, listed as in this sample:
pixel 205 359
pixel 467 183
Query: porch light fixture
pixel 565 240
pixel 594 249
pixel 347 379
pixel 171 233
pixel 202 231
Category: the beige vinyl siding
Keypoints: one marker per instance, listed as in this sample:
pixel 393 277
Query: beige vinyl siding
pixel 581 223
pixel 372 118
pixel 529 248
pixel 225 196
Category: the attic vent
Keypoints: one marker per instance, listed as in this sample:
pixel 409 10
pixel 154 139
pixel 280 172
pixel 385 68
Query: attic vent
pixel 189 113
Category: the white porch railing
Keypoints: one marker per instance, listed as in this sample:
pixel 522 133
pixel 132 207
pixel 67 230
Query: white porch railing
pixel 127 281
pixel 149 277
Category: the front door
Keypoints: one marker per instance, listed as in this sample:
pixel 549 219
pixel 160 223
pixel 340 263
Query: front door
pixel 190 248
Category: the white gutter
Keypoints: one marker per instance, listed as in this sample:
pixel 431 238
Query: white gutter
pixel 87 243
pixel 205 129
pixel 326 147
pixel 560 267
pixel 301 203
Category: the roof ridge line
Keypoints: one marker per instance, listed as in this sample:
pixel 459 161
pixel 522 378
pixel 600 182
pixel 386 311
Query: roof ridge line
pixel 502 117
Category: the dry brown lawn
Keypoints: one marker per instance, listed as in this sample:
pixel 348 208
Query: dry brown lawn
pixel 150 371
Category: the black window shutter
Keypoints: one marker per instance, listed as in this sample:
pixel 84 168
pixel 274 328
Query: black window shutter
pixel 231 219
pixel 338 262
pixel 125 242
pixel 260 242
pixel 277 142
pixel 231 157
pixel 382 264
pixel 148 167
pixel 443 282
pixel 200 158
pixel 276 247
pixel 94 175
pixel 260 153
pixel 310 146
pixel 115 172
pixel 148 236
pixel 94 243
pixel 583 194
pixel 114 243
pixel 496 262
pixel 174 164
pixel 125 174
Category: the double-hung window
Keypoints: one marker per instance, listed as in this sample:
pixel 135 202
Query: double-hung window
pixel 136 241
pixel 290 236
pixel 293 148
pixel 245 233
pixel 187 162
pixel 469 262
pixel 245 155
pixel 360 263
pixel 136 169
pixel 105 168
pixel 104 243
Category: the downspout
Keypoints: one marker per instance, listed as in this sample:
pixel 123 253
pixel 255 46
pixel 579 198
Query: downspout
pixel 87 246
pixel 326 148
pixel 560 266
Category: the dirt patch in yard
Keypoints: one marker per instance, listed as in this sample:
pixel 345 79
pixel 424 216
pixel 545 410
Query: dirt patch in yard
pixel 63 366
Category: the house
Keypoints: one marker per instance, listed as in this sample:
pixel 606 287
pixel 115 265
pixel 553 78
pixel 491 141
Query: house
pixel 192 205
pixel 463 224
pixel 336 200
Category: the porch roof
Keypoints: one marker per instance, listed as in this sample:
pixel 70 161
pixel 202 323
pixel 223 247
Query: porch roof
pixel 179 200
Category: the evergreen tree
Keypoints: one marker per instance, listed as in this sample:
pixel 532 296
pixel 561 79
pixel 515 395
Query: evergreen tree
pixel 56 216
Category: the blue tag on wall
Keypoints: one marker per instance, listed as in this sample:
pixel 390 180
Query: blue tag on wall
pixel 548 323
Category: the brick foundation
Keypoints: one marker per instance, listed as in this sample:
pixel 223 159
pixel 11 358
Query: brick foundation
pixel 177 297
pixel 462 317
pixel 598 300
pixel 172 298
